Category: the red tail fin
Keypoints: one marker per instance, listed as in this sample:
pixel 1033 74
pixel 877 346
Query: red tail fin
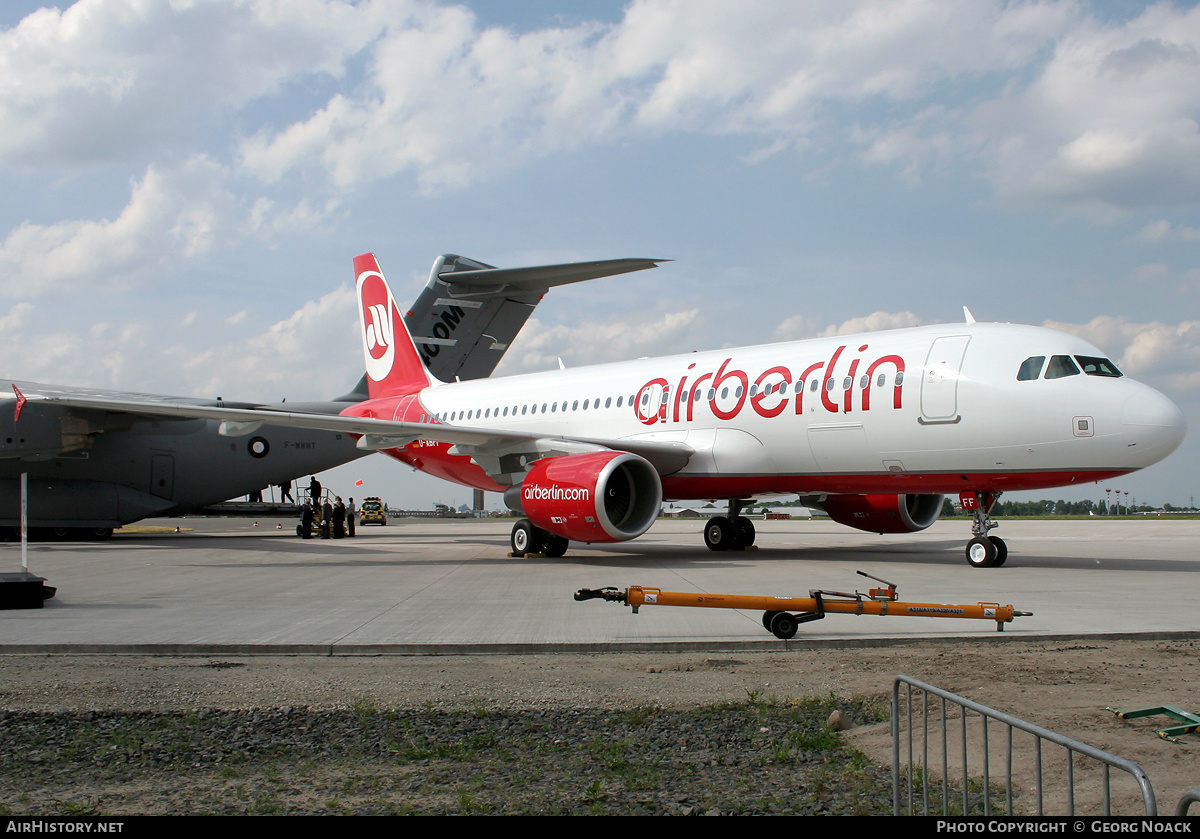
pixel 393 366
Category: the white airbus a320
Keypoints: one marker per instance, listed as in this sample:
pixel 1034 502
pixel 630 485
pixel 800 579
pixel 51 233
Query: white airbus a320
pixel 875 429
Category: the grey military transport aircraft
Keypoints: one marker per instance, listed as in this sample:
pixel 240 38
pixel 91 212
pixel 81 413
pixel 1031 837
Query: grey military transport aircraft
pixel 91 471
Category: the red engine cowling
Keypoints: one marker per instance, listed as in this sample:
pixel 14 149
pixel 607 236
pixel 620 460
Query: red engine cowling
pixel 885 513
pixel 597 497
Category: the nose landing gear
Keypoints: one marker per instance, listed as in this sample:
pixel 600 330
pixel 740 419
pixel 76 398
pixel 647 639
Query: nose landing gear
pixel 983 551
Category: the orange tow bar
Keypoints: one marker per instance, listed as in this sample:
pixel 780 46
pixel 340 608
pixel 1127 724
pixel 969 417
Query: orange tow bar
pixel 782 616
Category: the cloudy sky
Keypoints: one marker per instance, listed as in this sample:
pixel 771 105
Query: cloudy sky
pixel 183 184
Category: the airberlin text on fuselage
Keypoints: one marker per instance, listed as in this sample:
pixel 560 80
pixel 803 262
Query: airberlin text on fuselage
pixel 770 399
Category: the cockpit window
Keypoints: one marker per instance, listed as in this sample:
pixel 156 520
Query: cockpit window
pixel 1094 366
pixel 1030 368
pixel 1061 366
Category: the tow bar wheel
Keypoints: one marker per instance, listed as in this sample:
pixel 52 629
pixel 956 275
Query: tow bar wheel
pixel 784 625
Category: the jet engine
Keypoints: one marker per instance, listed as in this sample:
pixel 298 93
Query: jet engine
pixel 885 513
pixel 597 497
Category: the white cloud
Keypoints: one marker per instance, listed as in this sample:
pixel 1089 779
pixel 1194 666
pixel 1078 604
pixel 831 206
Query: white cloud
pixel 171 216
pixel 1162 230
pixel 1061 108
pixel 107 79
pixel 798 327
pixel 539 346
pixel 1111 121
pixel 454 103
pixel 312 354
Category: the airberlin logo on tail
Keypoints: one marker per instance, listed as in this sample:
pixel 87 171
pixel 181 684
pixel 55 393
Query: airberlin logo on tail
pixel 377 316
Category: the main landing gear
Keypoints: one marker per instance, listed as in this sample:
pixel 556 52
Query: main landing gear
pixel 529 539
pixel 729 533
pixel 983 551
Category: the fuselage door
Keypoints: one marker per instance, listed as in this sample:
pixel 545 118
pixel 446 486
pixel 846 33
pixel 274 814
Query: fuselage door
pixel 939 382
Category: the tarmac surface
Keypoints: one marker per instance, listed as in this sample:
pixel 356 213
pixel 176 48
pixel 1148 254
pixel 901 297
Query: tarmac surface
pixel 423 586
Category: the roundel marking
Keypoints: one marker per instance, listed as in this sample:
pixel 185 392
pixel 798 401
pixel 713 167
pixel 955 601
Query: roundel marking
pixel 258 447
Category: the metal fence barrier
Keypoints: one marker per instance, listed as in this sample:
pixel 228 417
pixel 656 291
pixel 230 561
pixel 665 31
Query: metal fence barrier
pixel 934 710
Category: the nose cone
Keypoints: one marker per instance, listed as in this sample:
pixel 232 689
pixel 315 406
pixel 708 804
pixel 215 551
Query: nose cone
pixel 1153 426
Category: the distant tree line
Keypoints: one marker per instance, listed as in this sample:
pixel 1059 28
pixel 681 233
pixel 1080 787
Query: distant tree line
pixel 1086 507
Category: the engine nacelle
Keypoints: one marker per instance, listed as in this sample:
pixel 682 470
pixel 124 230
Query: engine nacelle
pixel 885 513
pixel 596 497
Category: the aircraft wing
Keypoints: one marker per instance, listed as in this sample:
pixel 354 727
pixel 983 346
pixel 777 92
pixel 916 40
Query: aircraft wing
pixel 61 429
pixel 469 312
pixel 493 449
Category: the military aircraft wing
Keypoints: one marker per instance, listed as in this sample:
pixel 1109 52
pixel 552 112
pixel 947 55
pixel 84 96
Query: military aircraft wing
pixel 479 442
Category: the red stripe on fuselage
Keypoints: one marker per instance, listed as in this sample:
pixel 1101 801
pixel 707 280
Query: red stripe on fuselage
pixel 435 459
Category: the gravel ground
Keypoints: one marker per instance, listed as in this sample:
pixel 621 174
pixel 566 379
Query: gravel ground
pixel 618 733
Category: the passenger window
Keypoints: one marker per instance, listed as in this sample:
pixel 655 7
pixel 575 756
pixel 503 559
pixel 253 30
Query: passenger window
pixel 881 380
pixel 1061 366
pixel 619 399
pixel 1094 366
pixel 816 383
pixel 1030 368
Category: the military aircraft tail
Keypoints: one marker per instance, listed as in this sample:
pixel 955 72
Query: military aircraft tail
pixel 393 366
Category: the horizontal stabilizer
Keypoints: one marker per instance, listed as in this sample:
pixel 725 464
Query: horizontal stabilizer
pixel 539 277
pixel 469 312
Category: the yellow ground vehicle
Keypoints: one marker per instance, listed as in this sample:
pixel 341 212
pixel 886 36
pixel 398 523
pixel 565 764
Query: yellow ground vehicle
pixel 371 512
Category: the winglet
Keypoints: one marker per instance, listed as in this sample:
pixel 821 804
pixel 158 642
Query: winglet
pixel 967 314
pixel 21 400
pixel 393 366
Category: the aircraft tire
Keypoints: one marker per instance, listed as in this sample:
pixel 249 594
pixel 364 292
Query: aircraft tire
pixel 555 546
pixel 767 618
pixel 526 539
pixel 784 625
pixel 1001 551
pixel 745 531
pixel 719 534
pixel 981 552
